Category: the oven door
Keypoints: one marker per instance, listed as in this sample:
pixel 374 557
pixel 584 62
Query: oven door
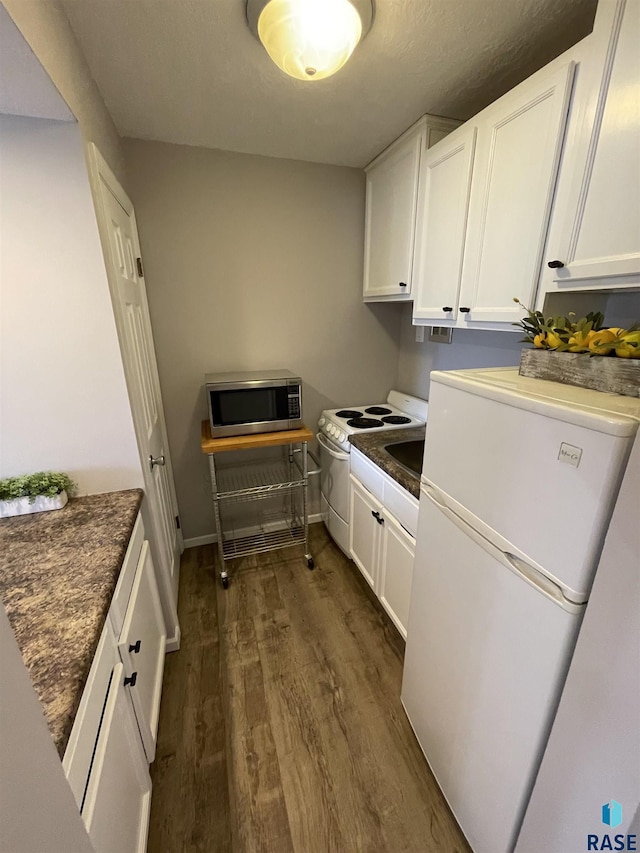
pixel 334 485
pixel 334 479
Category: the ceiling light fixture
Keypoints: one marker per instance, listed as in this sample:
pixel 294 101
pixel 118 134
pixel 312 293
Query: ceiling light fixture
pixel 309 39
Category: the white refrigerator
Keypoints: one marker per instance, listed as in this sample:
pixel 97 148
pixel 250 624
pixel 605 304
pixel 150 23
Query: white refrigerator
pixel 518 485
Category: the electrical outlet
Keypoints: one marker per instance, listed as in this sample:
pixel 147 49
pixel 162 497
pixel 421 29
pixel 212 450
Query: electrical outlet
pixel 440 334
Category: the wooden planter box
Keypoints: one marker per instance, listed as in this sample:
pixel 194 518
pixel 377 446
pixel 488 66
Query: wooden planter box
pixel 598 372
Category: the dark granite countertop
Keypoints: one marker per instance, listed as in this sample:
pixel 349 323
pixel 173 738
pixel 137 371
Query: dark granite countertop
pixel 372 445
pixel 58 573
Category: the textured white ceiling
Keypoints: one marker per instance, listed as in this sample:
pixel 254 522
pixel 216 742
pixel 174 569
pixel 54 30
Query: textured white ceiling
pixel 191 72
pixel 25 87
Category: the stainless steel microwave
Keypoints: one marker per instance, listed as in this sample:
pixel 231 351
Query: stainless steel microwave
pixel 259 401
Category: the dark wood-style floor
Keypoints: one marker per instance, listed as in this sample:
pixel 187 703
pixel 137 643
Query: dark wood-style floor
pixel 281 727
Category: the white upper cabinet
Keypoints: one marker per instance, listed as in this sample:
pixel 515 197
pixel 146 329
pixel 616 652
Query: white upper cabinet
pixel 484 206
pixel 443 205
pixel 594 239
pixel 391 200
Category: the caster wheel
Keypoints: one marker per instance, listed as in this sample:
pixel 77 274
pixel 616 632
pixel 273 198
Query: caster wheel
pixel 310 563
pixel 225 583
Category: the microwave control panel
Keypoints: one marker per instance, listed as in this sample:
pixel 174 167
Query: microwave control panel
pixel 294 402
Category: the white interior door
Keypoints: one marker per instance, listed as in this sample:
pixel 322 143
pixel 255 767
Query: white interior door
pixel 124 269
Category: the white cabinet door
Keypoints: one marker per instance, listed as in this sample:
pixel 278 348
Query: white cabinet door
pixel 443 204
pixel 517 153
pixel 118 798
pixel 142 650
pixel 364 531
pixel 595 231
pixel 391 194
pixel 396 571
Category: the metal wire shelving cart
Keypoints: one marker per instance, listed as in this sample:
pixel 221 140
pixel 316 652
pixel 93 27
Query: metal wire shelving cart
pixel 276 485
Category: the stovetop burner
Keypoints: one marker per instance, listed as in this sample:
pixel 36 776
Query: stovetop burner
pixel 364 423
pixel 348 413
pixel 396 419
pixel 377 410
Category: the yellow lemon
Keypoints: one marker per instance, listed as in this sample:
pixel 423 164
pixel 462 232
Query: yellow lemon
pixel 624 350
pixel 629 346
pixel 579 342
pixel 553 340
pixel 540 341
pixel 600 342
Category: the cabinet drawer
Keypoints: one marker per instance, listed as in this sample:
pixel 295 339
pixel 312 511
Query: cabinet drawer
pixel 402 504
pixel 368 473
pixel 79 752
pixel 122 592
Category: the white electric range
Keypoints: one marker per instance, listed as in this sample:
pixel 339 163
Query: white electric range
pixel 401 411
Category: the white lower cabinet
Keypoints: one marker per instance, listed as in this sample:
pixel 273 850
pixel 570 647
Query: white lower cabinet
pixel 142 650
pixel 114 734
pixel 383 551
pixel 118 797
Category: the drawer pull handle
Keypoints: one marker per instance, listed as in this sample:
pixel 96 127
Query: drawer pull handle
pixel 131 682
pixel 377 517
pixel 135 647
pixel 555 265
pixel 402 284
pixel 465 310
pixel 447 309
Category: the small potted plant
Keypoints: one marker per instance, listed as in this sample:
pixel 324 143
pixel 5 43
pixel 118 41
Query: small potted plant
pixel 40 492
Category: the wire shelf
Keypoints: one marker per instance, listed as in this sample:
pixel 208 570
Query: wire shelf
pixel 263 540
pixel 251 481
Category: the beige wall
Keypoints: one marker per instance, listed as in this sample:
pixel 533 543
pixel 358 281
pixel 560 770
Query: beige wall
pixel 251 263
pixel 47 31
pixel 64 403
pixel 469 348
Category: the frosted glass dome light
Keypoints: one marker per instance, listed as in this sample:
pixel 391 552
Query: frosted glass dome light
pixel 310 39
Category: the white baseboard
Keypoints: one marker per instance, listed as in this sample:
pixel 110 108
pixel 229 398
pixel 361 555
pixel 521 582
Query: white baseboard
pixel 210 538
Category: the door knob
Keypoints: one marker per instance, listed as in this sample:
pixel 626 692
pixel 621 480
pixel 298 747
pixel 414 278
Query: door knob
pixel 155 460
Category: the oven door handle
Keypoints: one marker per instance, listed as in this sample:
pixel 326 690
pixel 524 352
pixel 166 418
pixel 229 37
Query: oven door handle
pixel 337 454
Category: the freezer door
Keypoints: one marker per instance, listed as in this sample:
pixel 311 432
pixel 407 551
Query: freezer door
pixel 541 483
pixel 485 661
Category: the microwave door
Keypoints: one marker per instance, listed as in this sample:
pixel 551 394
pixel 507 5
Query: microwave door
pixel 249 410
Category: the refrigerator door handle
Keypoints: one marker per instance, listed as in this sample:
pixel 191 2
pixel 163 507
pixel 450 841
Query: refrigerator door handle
pixel 515 564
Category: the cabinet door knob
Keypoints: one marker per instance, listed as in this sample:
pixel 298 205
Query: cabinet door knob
pixel 465 310
pixel 135 647
pixel 402 284
pixel 447 308
pixel 555 265
pixel 376 515
pixel 131 682
pixel 155 460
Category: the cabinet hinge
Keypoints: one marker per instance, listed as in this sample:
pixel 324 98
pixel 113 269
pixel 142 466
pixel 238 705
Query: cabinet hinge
pixel 140 270
pixel 178 522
